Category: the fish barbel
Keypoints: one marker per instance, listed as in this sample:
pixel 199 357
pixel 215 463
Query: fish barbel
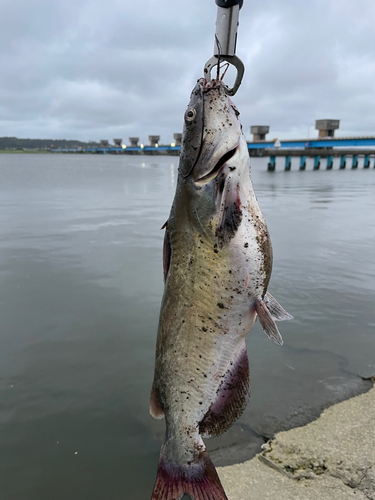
pixel 217 266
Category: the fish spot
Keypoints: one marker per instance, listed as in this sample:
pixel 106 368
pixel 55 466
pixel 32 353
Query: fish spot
pixel 221 305
pixel 246 245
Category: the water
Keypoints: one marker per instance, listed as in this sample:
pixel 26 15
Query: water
pixel 81 284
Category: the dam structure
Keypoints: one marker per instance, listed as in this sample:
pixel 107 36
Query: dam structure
pixel 322 149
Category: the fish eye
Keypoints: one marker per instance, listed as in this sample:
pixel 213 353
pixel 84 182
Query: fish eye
pixel 190 114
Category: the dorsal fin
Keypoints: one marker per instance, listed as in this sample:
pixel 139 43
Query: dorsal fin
pixel 232 397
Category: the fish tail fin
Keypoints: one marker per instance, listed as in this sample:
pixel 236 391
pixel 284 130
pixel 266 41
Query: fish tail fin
pixel 199 480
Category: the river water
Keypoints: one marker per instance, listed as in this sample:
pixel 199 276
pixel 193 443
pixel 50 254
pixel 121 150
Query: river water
pixel 81 284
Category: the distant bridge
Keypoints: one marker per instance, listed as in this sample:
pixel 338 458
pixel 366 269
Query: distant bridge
pixel 319 149
pixel 336 142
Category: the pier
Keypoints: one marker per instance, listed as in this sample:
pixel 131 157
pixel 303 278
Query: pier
pixel 323 158
pixel 256 148
pixel 323 149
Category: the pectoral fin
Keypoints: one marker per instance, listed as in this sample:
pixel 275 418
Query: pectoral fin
pixel 267 322
pixel 278 313
pixel 230 213
pixel 231 399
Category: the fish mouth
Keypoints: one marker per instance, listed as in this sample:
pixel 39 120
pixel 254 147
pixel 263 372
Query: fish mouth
pixel 218 166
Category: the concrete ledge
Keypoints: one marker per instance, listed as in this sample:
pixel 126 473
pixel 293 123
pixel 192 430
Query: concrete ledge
pixel 328 459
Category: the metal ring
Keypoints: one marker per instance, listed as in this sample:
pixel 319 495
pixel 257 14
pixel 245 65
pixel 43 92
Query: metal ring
pixel 235 61
pixel 229 3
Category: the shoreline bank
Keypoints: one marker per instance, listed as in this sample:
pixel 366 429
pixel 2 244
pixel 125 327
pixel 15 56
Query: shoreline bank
pixel 330 458
pixel 244 440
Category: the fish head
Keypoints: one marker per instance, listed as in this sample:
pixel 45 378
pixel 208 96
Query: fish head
pixel 214 156
pixel 212 131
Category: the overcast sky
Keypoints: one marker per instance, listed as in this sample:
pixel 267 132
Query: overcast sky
pixel 91 70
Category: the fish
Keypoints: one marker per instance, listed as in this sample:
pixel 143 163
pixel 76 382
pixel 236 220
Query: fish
pixel 217 260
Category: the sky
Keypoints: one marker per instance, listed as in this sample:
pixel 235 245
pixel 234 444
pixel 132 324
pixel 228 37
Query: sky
pixel 91 70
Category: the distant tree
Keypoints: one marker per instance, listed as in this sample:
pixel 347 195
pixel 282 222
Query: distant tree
pixel 15 143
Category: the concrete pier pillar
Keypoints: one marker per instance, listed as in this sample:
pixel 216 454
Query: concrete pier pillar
pixel 288 162
pixel 316 162
pixel 342 162
pixel 154 139
pixel 177 139
pixel 302 163
pixel 259 132
pixel 327 127
pixel 329 162
pixel 355 162
pixel 366 163
pixel 272 164
pixel 134 141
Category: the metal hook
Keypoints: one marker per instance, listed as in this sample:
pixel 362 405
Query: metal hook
pixel 235 61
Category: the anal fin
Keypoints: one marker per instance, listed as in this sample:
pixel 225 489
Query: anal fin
pixel 232 397
pixel 156 408
pixel 267 322
pixel 277 312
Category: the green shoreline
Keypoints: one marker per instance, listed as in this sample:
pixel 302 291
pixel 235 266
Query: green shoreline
pixel 16 151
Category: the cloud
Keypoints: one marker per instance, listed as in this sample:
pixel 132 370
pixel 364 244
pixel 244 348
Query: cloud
pixel 89 70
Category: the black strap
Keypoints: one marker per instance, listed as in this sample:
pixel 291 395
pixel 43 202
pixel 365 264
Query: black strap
pixel 229 3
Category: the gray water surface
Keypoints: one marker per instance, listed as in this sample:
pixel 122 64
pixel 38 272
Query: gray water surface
pixel 81 285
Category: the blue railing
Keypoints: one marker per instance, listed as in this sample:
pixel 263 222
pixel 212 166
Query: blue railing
pixel 316 143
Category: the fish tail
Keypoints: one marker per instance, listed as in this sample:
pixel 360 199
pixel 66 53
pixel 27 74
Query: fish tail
pixel 199 480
